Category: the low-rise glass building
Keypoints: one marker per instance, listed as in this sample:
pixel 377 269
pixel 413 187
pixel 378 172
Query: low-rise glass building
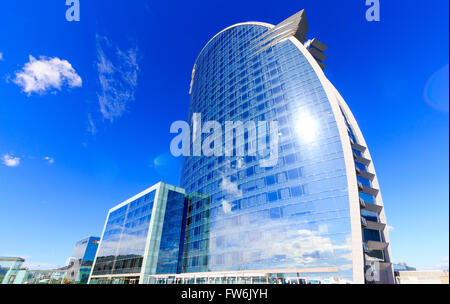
pixel 142 236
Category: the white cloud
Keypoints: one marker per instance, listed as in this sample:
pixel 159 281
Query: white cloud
pixel 44 74
pixel 226 206
pixel 304 248
pixel 390 228
pixel 239 162
pixel 444 264
pixel 1 56
pixel 231 188
pixel 50 160
pixel 10 160
pixel 118 74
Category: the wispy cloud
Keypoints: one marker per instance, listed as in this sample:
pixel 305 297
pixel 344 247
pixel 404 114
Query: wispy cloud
pixel 45 74
pixel 1 56
pixel 232 191
pixel 49 159
pixel 91 126
pixel 10 160
pixel 444 264
pixel 40 266
pixel 118 75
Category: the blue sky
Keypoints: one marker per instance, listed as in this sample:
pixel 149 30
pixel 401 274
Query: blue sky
pixel 96 131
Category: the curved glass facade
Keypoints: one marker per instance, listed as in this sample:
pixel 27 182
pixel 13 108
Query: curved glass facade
pixel 290 218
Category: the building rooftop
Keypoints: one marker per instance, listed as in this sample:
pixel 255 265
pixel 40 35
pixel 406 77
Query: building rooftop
pixel 12 259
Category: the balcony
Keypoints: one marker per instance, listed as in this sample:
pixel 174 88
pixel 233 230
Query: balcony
pixel 367 190
pixel 361 160
pixel 370 207
pixel 364 174
pixel 375 225
pixel 357 147
pixel 317 54
pixel 374 245
pixel 318 44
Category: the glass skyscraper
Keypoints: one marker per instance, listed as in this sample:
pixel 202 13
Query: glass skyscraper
pixel 314 214
pixel 318 212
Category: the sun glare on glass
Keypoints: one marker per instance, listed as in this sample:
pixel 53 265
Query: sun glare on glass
pixel 306 127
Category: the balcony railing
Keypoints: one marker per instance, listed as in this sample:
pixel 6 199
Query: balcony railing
pixel 361 160
pixel 357 146
pixel 374 245
pixel 362 203
pixel 370 207
pixel 364 174
pixel 363 222
pixel 367 190
pixel 365 248
pixel 375 225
